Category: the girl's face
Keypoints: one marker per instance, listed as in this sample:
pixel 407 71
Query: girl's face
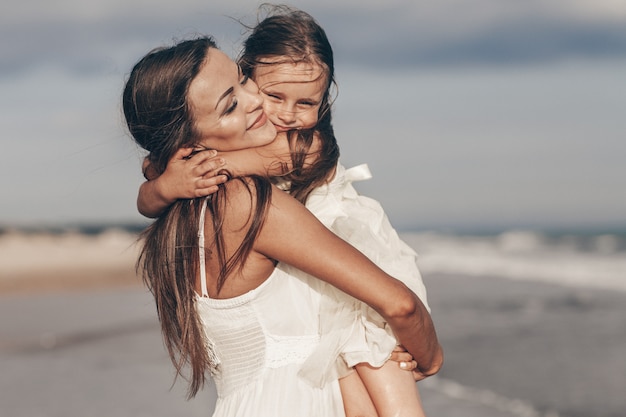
pixel 293 92
pixel 226 107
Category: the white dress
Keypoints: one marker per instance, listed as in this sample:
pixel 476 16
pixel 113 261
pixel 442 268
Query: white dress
pixel 362 222
pixel 258 342
pixel 352 332
pixel 280 348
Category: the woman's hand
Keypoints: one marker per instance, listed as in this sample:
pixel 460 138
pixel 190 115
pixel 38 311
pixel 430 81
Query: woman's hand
pixel 406 362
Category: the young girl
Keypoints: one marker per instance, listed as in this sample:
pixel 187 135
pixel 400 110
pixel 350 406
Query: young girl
pixel 289 57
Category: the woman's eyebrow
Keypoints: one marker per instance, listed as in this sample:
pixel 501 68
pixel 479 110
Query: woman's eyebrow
pixel 230 90
pixel 226 94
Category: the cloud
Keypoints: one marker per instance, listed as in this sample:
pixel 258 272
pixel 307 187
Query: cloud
pixel 83 45
pixel 65 145
pixel 393 38
pixel 96 36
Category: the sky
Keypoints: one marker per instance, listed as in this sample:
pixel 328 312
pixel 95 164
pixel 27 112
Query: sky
pixel 469 113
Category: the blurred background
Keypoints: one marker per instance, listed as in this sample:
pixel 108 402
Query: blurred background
pixel 496 137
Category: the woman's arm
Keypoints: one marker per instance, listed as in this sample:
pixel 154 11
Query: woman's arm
pixel 291 234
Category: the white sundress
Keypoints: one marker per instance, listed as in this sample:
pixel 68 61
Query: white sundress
pixel 258 342
pixel 351 331
pixel 281 347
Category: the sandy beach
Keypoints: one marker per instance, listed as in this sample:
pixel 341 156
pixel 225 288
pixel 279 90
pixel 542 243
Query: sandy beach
pixel 69 261
pixel 557 348
pixel 79 337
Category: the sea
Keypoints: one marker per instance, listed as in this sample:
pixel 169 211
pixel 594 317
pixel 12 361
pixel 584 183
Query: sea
pixel 593 258
pixel 589 258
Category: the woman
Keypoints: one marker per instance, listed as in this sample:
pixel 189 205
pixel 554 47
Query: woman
pixel 289 56
pixel 193 95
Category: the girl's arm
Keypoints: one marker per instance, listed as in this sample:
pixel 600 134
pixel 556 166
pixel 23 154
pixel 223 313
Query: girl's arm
pixel 291 234
pixel 190 175
pixel 267 161
pixel 187 175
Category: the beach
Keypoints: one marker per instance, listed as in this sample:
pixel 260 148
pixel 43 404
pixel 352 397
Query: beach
pixel 79 337
pixel 559 349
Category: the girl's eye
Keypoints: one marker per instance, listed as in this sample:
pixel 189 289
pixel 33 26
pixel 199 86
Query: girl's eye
pixel 270 95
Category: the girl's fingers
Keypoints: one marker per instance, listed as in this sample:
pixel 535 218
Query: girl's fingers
pixel 182 153
pixel 199 156
pixel 209 186
pixel 210 167
pixel 211 181
pixel 203 192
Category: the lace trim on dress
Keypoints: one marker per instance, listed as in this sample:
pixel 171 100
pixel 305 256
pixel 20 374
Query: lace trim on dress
pixel 285 350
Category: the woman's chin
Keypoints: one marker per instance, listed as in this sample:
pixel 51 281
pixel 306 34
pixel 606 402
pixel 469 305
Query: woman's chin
pixel 265 134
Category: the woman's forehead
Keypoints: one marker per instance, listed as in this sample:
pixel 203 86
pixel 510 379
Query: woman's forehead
pixel 214 80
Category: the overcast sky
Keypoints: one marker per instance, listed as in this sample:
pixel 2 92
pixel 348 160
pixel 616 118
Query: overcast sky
pixel 472 113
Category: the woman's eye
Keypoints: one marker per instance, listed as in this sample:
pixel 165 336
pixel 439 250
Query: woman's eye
pixel 231 108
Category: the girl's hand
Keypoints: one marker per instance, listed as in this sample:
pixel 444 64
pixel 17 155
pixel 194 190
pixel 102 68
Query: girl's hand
pixel 189 174
pixel 192 173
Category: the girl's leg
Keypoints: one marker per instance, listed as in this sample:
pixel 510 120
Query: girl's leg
pixel 392 390
pixel 356 399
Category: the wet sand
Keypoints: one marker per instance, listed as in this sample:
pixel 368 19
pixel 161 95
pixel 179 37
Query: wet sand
pixel 85 342
pixel 561 349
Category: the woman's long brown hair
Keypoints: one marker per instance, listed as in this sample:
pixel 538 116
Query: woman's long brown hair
pixel 160 120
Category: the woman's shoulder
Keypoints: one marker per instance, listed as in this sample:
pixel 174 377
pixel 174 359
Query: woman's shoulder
pixel 247 200
pixel 240 197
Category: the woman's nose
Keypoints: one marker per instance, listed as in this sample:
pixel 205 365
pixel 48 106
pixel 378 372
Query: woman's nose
pixel 255 98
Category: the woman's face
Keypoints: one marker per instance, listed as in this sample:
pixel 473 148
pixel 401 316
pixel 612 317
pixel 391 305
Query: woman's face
pixel 226 107
pixel 293 92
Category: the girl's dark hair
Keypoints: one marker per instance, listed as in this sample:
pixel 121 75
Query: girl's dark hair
pixel 159 118
pixel 295 36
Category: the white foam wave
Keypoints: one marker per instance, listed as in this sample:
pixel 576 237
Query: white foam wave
pixel 486 398
pixel 590 261
pixel 40 252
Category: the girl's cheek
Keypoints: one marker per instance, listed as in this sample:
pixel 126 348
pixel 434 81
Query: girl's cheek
pixel 310 122
pixel 268 108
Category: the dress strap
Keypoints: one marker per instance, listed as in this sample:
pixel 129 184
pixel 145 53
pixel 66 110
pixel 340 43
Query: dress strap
pixel 205 292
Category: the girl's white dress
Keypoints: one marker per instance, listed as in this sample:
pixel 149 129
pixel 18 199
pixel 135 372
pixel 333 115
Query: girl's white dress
pixel 351 331
pixel 280 348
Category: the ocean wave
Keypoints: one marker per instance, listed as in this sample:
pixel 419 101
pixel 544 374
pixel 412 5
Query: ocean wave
pixel 46 250
pixel 594 260
pixel 583 260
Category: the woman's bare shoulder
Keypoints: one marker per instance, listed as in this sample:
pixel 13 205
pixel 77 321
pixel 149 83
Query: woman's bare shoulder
pixel 240 199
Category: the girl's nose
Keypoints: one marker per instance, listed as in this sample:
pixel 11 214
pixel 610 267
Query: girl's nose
pixel 287 115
